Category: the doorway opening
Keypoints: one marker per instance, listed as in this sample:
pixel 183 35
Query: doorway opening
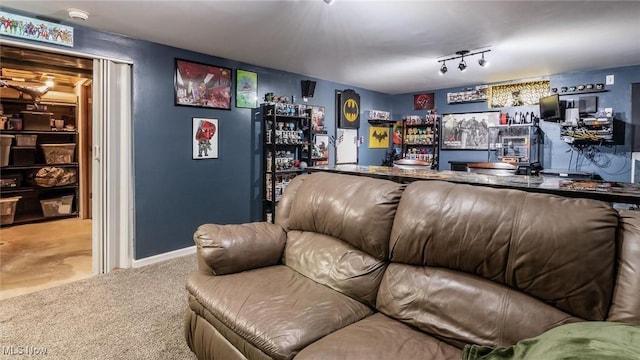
pixel 47 131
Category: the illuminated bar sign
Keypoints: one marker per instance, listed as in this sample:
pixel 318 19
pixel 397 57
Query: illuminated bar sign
pixel 35 29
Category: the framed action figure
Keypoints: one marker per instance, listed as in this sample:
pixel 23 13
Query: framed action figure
pixel 205 138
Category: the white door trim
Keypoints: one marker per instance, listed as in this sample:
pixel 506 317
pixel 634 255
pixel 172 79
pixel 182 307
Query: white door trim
pixel 61 51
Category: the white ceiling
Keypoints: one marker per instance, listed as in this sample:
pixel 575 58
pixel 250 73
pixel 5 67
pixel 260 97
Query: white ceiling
pixel 388 46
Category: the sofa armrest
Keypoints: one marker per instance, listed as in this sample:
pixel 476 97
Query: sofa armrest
pixel 226 249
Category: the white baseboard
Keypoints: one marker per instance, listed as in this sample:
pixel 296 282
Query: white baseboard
pixel 163 257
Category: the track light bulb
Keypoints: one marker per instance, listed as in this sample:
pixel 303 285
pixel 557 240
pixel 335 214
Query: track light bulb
pixel 443 69
pixel 463 65
pixel 482 62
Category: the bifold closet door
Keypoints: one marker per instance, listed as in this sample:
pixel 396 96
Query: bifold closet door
pixel 112 166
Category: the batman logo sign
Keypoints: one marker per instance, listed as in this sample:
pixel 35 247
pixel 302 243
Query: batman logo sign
pixel 380 136
pixel 350 110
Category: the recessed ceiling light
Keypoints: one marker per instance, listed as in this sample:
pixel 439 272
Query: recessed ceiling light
pixel 78 14
pixel 329 2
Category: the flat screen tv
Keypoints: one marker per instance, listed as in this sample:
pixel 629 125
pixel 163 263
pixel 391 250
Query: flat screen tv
pixel 551 108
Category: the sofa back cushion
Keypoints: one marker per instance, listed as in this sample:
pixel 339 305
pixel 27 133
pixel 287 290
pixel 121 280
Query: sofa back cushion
pixel 496 265
pixel 625 306
pixel 338 229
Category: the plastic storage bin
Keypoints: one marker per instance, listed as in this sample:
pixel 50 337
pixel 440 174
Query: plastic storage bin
pixel 58 153
pixel 8 209
pixel 36 120
pixel 13 180
pixel 5 147
pixel 57 207
pixel 26 140
pixel 23 155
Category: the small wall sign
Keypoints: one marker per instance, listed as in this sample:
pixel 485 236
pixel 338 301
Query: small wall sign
pixel 35 29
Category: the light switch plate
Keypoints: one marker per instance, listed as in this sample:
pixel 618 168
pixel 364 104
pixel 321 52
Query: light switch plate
pixel 610 80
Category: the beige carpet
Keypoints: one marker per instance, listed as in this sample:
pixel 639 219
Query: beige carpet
pixel 127 314
pixel 42 255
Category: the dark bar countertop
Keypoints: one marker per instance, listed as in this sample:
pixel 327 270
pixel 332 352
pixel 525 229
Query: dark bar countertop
pixel 612 192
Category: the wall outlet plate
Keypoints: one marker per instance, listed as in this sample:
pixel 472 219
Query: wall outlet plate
pixel 610 80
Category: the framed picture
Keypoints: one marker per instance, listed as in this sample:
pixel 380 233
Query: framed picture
pixel 202 85
pixel 467 131
pixel 246 89
pixel 205 138
pixel 321 149
pixel 397 133
pixel 378 137
pixel 423 101
pixel 317 118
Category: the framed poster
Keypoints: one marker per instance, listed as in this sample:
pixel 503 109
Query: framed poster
pixel 378 137
pixel 246 89
pixel 204 138
pixel 202 85
pixel 317 118
pixel 423 101
pixel 467 131
pixel 321 150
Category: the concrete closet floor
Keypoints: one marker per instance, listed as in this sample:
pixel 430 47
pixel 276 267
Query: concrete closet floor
pixel 43 255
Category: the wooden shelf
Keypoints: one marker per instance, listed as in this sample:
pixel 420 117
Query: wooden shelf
pixel 466 102
pixel 25 189
pixel 37 166
pixel 420 125
pixel 29 208
pixel 39 132
pixel 381 122
pixel 580 92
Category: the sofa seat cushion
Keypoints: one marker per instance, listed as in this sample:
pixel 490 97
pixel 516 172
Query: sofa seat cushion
pixel 275 309
pixel 379 337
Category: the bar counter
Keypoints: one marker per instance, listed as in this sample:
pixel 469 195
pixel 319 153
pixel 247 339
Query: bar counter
pixel 612 192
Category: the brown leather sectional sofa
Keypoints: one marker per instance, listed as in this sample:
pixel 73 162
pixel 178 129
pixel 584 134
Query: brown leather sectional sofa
pixel 363 268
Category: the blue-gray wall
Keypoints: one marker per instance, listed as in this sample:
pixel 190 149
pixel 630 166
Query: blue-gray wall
pixel 174 194
pixel 613 163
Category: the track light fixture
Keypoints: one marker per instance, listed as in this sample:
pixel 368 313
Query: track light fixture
pixel 482 62
pixel 462 66
pixel 443 69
